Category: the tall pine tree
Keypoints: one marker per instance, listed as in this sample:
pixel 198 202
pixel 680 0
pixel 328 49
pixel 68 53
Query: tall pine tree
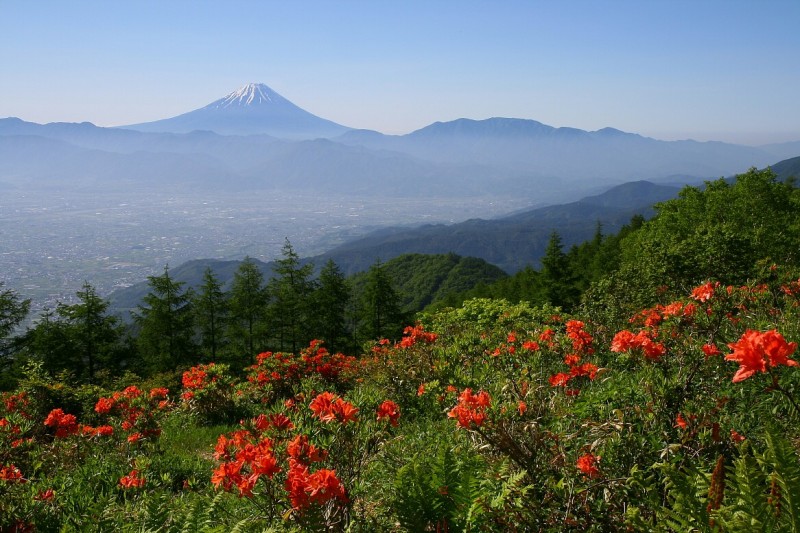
pixel 330 304
pixel 13 311
pixel 247 311
pixel 290 292
pixel 381 316
pixel 211 315
pixel 165 324
pixel 557 277
pixel 96 337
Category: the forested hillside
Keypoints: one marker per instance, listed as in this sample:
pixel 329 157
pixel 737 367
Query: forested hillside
pixel 645 380
pixel 513 242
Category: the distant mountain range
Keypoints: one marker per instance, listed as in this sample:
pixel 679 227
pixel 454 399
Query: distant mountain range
pixel 255 139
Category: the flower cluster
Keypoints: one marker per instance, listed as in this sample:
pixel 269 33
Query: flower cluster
pixel 198 378
pixel 132 481
pixel 135 412
pixel 581 339
pixel 757 351
pixel 576 370
pixel 471 408
pixel 704 292
pixel 643 340
pixel 390 411
pixel 416 333
pixel 329 407
pixel 588 464
pixel 12 474
pixel 283 370
pixel 266 450
pixel 305 487
pixel 10 434
pixel 64 424
pixel 17 403
pixel 581 345
pixel 245 460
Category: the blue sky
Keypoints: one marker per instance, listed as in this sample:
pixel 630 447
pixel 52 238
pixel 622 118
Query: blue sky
pixel 702 69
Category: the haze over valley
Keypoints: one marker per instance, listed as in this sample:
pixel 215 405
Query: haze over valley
pixel 238 176
pixel 51 244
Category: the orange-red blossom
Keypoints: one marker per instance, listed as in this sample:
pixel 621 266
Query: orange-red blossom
pixel 132 480
pixel 588 464
pixel 757 351
pixel 471 408
pixel 328 407
pixel 389 410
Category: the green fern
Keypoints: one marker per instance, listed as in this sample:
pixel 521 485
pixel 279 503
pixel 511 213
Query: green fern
pixel 440 490
pixel 762 493
pixel 456 493
pixel 510 490
pixel 687 492
pixel 784 460
pixel 747 508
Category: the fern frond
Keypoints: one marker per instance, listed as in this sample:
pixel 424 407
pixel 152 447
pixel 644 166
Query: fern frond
pixel 747 509
pixel 782 457
pixel 687 492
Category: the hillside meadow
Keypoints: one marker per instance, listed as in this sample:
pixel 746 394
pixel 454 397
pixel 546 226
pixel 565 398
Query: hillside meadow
pixel 668 399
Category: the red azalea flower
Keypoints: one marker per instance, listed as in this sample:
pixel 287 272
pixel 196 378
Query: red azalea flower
pixel 711 350
pixel 777 349
pixel 587 464
pixel 703 293
pixel 45 495
pixel 755 351
pixel 531 346
pixel 159 393
pixel 389 410
pixel 345 411
pixel 560 379
pixel 11 473
pixel 623 341
pixel 322 406
pixel 227 474
pixel 104 406
pixel 132 480
pixel 471 408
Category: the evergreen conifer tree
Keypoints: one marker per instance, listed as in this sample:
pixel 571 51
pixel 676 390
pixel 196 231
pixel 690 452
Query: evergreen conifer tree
pixel 211 315
pixel 290 292
pixel 557 276
pixel 95 337
pixel 331 300
pixel 13 311
pixel 165 324
pixel 381 316
pixel 247 311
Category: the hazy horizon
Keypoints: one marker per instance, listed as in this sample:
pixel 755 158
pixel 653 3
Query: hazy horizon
pixel 716 70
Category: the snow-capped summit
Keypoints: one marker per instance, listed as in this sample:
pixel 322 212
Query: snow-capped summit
pixel 249 110
pixel 250 94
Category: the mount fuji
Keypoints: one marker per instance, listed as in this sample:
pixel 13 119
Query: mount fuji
pixel 254 109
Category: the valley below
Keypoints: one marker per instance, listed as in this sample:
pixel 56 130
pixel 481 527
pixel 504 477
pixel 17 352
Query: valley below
pixel 51 242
